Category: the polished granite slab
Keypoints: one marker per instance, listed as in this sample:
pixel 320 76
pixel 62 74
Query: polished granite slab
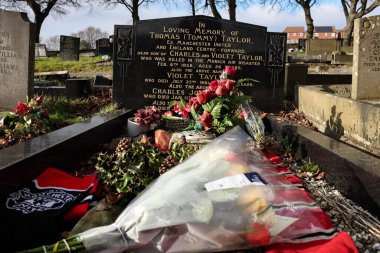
pixel 355 173
pixel 63 148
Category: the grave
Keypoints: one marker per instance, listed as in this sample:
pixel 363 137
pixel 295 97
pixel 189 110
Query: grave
pixel 104 47
pixel 16 58
pixel 40 51
pixel 78 88
pixel 366 65
pixel 69 48
pixel 353 172
pixel 157 61
pixel 351 113
pixel 102 81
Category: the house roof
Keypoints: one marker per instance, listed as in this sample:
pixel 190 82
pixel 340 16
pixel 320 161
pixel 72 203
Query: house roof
pixel 294 29
pixel 324 29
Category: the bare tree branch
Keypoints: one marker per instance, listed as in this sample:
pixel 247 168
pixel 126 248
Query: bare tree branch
pixel 41 9
pixel 355 9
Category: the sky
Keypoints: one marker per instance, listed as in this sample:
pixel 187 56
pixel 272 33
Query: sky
pixel 326 13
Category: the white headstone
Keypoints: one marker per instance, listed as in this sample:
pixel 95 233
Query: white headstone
pixel 16 58
pixel 40 51
pixel 366 60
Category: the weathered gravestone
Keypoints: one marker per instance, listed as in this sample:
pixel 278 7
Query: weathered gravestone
pixel 157 61
pixel 69 48
pixel 366 61
pixel 104 47
pixel 40 51
pixel 16 58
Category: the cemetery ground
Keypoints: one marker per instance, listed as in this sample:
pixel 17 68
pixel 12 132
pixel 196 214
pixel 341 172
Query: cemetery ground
pixel 85 67
pixel 61 112
pixel 187 198
pixel 363 227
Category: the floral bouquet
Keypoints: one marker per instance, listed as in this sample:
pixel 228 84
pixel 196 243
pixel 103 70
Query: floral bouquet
pixel 148 116
pixel 28 118
pixel 217 108
pixel 228 196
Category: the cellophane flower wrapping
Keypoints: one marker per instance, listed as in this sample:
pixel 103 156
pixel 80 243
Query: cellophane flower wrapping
pixel 227 196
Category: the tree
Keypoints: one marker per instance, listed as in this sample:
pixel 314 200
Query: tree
pixel 213 8
pixel 41 9
pixel 232 9
pixel 231 5
pixel 304 4
pixel 195 5
pixel 89 35
pixel 52 43
pixel 132 5
pixel 355 9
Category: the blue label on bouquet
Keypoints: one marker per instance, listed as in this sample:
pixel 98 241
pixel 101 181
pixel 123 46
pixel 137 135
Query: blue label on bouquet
pixel 236 181
pixel 253 177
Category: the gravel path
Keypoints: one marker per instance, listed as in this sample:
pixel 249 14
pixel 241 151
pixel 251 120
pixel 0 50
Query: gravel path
pixel 346 215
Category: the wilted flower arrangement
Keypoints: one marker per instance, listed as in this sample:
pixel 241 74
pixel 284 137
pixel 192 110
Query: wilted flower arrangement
pixel 28 118
pixel 148 116
pixel 217 108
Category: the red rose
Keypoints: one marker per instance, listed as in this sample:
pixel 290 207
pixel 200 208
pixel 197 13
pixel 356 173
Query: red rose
pixel 221 91
pixel 176 108
pixel 185 112
pixel 202 97
pixel 257 235
pixel 193 102
pixel 162 139
pixel 206 120
pixel 39 100
pixel 210 94
pixel 22 109
pixel 214 85
pixel 230 71
pixel 230 84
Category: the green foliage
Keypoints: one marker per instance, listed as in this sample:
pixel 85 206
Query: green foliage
pixel 309 166
pixel 85 64
pixel 64 111
pixel 183 151
pixel 29 119
pixel 214 107
pixel 132 170
pixel 289 145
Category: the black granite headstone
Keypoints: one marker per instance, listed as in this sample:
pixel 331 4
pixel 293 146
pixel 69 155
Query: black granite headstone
pixel 102 81
pixel 104 47
pixel 78 88
pixel 157 61
pixel 69 48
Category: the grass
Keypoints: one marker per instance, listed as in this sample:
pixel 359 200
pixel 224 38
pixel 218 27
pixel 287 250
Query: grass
pixel 64 111
pixel 85 64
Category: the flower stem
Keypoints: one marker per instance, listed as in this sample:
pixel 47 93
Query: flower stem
pixel 71 244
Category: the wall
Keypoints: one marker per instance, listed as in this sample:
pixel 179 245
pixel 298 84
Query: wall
pixel 339 116
pixel 322 46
